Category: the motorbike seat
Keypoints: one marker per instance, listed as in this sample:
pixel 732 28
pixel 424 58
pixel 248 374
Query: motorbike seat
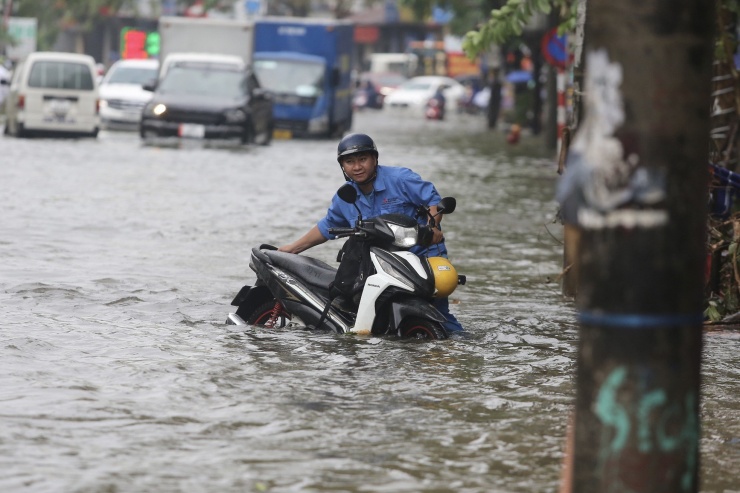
pixel 312 271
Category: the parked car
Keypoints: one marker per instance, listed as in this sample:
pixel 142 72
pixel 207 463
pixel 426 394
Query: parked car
pixel 416 92
pixel 209 100
pixel 53 93
pixel 122 95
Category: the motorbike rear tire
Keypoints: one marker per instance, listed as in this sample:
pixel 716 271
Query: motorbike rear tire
pixel 419 328
pixel 262 313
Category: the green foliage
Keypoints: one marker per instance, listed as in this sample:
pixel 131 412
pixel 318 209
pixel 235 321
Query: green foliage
pixel 712 311
pixel 732 5
pixel 722 292
pixel 422 9
pixel 54 15
pixel 508 22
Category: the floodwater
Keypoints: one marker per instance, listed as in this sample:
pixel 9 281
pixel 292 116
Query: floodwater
pixel 117 373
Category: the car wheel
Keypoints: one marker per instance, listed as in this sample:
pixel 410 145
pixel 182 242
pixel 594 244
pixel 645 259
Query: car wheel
pixel 146 134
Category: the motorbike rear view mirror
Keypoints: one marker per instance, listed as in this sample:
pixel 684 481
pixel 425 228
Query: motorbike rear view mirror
pixel 347 193
pixel 446 205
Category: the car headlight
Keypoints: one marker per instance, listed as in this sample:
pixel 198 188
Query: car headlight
pixel 103 103
pixel 156 109
pixel 405 237
pixel 235 115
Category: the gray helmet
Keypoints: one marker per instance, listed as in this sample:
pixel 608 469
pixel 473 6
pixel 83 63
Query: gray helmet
pixel 354 143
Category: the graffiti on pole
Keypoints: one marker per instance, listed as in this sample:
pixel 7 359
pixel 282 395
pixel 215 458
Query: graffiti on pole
pixel 656 425
pixel 602 187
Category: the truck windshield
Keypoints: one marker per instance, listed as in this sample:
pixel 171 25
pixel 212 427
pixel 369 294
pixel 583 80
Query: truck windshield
pixel 286 77
pixel 204 81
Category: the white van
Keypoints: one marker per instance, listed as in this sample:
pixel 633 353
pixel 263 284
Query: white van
pixel 53 93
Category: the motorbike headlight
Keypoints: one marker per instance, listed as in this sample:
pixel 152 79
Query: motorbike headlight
pixel 391 271
pixel 405 237
pixel 235 115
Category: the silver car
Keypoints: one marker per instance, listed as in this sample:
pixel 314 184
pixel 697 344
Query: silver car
pixel 122 96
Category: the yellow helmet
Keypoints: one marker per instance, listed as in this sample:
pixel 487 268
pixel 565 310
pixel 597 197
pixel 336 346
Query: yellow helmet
pixel 445 276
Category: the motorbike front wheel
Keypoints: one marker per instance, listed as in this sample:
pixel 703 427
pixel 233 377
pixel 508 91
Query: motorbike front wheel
pixel 269 314
pixel 419 328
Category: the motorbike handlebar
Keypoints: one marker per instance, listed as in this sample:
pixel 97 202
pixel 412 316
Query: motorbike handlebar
pixel 342 231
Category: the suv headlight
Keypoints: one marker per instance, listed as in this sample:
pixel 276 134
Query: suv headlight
pixel 156 109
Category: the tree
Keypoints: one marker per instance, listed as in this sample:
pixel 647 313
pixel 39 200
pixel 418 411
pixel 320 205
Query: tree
pixel 509 21
pixel 53 16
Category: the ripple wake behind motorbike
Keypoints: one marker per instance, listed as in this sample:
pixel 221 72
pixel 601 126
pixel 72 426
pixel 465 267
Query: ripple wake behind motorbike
pixel 395 296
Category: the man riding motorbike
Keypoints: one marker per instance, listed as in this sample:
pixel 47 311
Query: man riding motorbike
pixel 381 190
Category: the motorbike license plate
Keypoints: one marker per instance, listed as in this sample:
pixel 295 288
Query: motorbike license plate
pixel 281 133
pixel 191 131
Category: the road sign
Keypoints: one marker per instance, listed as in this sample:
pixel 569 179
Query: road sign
pixel 22 31
pixel 253 7
pixel 555 49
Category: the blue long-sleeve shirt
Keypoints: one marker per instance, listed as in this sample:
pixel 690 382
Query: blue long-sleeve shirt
pixel 396 190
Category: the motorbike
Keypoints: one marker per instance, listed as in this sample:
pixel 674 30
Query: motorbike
pixel 435 108
pixel 394 294
pixel 367 96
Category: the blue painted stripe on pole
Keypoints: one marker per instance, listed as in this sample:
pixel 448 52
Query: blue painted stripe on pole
pixel 640 320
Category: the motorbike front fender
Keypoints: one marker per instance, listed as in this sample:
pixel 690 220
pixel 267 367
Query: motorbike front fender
pixel 413 307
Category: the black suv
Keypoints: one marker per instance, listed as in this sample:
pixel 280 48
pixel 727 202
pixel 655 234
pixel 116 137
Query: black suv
pixel 207 100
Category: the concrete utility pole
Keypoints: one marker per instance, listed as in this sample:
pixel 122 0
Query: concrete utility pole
pixel 636 187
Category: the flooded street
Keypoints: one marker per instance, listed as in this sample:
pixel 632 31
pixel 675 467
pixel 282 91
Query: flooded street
pixel 118 374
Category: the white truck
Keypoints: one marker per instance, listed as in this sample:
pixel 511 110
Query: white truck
pixel 197 37
pixel 404 64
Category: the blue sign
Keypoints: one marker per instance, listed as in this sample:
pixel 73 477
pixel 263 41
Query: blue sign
pixel 391 11
pixel 442 16
pixel 169 7
pixel 253 7
pixel 555 48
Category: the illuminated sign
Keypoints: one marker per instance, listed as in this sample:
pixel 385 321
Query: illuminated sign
pixel 136 43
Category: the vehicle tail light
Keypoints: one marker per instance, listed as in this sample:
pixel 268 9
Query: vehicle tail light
pixel 97 106
pixel 21 101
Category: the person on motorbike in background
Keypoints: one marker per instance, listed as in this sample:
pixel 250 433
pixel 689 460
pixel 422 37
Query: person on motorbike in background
pixel 437 104
pixel 380 190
